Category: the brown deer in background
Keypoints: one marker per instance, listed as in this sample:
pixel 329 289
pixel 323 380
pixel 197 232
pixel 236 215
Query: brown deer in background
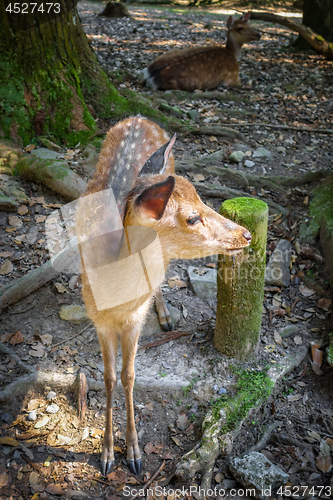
pixel 202 67
pixel 137 163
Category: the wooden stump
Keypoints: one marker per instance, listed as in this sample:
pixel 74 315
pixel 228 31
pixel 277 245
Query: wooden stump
pixel 240 282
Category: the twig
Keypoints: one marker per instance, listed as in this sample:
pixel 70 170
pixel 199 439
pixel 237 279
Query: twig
pixel 31 306
pixel 145 486
pixel 168 336
pixel 34 466
pixel 71 338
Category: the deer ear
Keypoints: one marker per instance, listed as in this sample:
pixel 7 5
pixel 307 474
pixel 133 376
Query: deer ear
pixel 157 162
pixel 246 16
pixel 153 200
pixel 230 22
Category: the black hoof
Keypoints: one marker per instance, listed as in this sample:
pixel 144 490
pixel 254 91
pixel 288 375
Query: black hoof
pixel 135 466
pixel 167 327
pixel 106 467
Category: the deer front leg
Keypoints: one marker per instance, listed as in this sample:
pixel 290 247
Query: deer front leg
pixel 129 341
pixel 109 343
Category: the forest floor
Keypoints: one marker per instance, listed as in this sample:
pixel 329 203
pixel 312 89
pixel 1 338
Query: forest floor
pixel 176 382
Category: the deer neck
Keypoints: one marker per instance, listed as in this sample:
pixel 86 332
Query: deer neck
pixel 234 47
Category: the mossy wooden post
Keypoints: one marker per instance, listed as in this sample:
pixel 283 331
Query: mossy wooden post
pixel 240 282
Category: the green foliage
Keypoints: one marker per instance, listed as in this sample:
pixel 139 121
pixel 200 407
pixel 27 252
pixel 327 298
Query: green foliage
pixel 188 389
pixel 253 386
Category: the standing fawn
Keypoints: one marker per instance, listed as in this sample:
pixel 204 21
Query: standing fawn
pixel 137 163
pixel 202 67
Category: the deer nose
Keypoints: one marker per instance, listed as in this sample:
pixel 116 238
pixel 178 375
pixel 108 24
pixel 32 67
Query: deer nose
pixel 247 236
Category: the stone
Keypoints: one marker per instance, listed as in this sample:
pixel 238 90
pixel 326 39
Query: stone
pixel 52 409
pixel 73 312
pixel 204 283
pixel 255 471
pixel 281 150
pixel 51 395
pixel 193 115
pixel 277 269
pixel 249 163
pixel 11 188
pixel 236 156
pixel 289 330
pixel 32 415
pixel 7 204
pixel 32 236
pixel 222 390
pixel 261 153
pixel 44 154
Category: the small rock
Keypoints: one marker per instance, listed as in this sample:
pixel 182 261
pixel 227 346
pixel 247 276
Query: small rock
pixel 227 484
pixel 261 153
pixel 6 268
pixel 281 150
pixel 193 115
pixel 7 204
pixel 204 285
pixel 222 390
pixel 32 236
pixel 93 402
pixel 249 163
pixel 254 470
pixel 51 395
pixel 14 221
pixel 215 388
pixel 236 156
pixel 44 154
pixel 52 409
pixel 277 270
pixel 73 312
pixel 32 415
pixel 12 188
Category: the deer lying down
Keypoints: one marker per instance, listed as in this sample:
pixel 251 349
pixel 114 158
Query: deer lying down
pixel 202 67
pixel 137 163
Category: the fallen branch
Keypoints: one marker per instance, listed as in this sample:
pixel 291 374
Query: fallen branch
pixel 320 45
pixel 218 131
pixel 281 127
pixel 265 437
pixel 71 338
pixel 226 193
pixel 7 350
pixel 202 457
pixel 167 337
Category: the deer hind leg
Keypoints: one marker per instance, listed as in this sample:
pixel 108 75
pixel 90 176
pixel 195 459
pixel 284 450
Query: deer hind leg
pixel 129 341
pixel 163 311
pixel 109 342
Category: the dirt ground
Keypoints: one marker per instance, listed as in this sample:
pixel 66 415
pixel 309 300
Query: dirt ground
pixel 177 381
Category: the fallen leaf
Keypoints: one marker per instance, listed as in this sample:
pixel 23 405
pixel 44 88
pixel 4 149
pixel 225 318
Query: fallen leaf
pixel 46 339
pixel 219 477
pixel 117 477
pixel 177 441
pixel 8 441
pixel 298 340
pixel 48 461
pixel 85 434
pixel 60 287
pixel 29 148
pixel 40 200
pixel 73 369
pixel 316 368
pixel 324 304
pixel 4 255
pixel 317 354
pixel 96 433
pixel 6 268
pixel 54 489
pixel 153 448
pixel 307 292
pixel 3 479
pixel 22 210
pixel 33 478
pixel 42 422
pixel 324 463
pixel 213 139
pixel 325 448
pixel 17 338
pixel 37 351
pixel 277 337
pixel 314 435
pixel 62 440
pixel 294 397
pixel 33 404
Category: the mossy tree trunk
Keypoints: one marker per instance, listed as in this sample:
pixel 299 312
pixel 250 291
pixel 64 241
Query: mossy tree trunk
pixel 50 81
pixel 240 282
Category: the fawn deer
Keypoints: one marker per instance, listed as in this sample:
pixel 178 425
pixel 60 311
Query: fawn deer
pixel 137 163
pixel 202 67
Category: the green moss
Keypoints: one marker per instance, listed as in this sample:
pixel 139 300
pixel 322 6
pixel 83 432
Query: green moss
pixel 321 206
pixel 254 386
pixel 329 350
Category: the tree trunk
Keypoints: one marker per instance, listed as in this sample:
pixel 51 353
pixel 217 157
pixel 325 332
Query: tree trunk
pixel 50 81
pixel 317 15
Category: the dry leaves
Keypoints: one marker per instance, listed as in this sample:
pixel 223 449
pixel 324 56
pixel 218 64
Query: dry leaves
pixel 153 448
pixel 6 268
pixel 176 281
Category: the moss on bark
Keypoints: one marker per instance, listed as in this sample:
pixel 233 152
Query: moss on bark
pixel 240 282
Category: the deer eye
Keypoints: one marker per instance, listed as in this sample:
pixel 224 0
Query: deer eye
pixel 240 29
pixel 193 220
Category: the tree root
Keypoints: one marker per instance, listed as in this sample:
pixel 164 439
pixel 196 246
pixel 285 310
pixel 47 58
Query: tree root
pixel 202 457
pixel 219 131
